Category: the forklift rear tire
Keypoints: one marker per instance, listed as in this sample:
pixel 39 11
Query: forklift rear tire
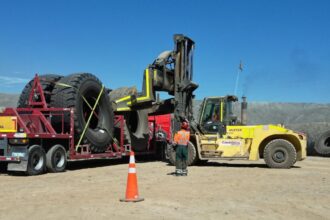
pixel 280 153
pixel 36 161
pixel 192 154
pixel 56 159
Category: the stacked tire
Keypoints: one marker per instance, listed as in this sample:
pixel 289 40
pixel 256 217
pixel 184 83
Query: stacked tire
pixel 47 82
pixel 79 91
pixel 322 144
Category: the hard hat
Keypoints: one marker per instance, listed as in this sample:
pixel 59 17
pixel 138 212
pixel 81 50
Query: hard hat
pixel 184 125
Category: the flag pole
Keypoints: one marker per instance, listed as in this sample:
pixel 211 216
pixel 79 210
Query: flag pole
pixel 240 69
pixel 236 84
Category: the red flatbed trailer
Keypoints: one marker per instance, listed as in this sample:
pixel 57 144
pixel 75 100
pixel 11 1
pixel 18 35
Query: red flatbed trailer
pixel 33 127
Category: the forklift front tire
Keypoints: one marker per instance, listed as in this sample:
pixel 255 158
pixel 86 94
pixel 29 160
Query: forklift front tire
pixel 192 154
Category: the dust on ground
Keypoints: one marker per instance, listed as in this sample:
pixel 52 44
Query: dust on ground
pixel 217 190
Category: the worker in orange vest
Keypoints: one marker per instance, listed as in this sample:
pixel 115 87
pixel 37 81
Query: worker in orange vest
pixel 181 139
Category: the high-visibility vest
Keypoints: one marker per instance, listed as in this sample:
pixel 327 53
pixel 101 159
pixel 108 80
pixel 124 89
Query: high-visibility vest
pixel 182 137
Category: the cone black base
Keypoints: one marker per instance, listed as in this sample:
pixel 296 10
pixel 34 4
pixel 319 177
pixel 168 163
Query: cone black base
pixel 132 200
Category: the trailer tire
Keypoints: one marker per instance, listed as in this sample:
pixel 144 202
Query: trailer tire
pixel 192 154
pixel 99 133
pixel 322 144
pixel 280 153
pixel 36 161
pixel 56 159
pixel 47 82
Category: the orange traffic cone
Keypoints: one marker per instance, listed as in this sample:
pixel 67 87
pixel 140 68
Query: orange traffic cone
pixel 132 194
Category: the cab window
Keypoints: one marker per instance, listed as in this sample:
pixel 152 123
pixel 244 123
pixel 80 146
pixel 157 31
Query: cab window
pixel 211 115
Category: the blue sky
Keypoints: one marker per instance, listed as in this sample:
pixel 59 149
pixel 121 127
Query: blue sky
pixel 284 44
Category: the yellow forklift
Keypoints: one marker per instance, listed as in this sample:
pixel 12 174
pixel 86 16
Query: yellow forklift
pixel 219 134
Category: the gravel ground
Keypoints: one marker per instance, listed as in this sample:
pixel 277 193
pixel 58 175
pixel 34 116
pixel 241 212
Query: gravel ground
pixel 217 190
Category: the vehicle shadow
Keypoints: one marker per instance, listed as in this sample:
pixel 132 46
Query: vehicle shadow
pixel 85 164
pixel 235 165
pixel 232 165
pixel 95 163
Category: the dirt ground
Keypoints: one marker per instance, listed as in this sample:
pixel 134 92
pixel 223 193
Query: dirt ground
pixel 217 190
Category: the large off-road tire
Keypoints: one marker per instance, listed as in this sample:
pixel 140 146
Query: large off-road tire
pixel 47 82
pixel 280 153
pixel 192 154
pixel 56 159
pixel 117 133
pixel 36 160
pixel 138 128
pixel 99 132
pixel 322 144
pixel 122 92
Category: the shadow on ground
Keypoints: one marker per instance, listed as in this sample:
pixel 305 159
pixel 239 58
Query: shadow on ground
pixel 232 165
pixel 94 163
pixel 86 164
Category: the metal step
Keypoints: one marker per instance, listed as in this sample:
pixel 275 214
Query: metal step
pixel 211 154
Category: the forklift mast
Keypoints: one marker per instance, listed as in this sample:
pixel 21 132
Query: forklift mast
pixel 184 86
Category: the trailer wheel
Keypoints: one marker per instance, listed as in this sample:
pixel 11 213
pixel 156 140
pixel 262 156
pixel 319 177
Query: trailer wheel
pixel 56 159
pixel 192 154
pixel 36 160
pixel 322 145
pixel 47 82
pixel 280 153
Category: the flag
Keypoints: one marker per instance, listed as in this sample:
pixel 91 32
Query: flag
pixel 240 66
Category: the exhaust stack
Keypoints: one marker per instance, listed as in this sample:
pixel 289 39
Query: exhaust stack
pixel 244 111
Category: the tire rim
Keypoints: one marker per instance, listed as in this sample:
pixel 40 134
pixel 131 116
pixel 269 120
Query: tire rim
pixel 37 161
pixel 279 156
pixel 59 159
pixel 91 99
pixel 327 142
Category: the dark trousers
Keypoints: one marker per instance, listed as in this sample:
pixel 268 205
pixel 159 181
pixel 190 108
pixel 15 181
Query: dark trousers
pixel 181 158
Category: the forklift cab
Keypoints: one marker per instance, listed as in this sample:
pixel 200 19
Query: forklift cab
pixel 216 113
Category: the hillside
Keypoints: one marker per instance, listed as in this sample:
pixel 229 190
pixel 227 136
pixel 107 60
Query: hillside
pixel 309 118
pixel 8 100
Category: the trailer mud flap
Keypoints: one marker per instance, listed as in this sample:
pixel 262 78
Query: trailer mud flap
pixel 21 166
pixel 22 153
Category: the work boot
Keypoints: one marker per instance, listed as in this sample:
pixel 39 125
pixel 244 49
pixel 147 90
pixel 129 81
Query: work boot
pixel 178 172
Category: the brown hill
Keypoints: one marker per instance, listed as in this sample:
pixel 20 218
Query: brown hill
pixel 310 118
